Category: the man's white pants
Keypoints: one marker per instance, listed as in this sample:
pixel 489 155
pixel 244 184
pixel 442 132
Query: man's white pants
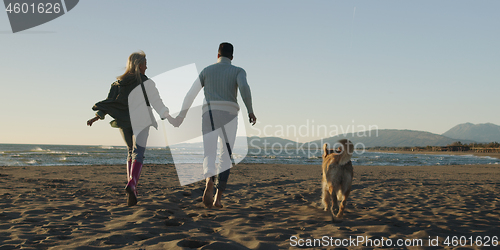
pixel 212 128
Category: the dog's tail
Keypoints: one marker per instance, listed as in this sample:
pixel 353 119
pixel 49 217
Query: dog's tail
pixel 325 153
pixel 340 194
pixel 344 186
pixel 325 150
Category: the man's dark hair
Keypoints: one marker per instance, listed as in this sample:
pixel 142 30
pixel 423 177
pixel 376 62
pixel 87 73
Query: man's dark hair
pixel 226 50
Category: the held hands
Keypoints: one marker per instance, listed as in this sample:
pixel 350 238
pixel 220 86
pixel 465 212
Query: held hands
pixel 176 122
pixel 91 121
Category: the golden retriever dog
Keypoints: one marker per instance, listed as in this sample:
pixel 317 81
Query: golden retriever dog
pixel 337 176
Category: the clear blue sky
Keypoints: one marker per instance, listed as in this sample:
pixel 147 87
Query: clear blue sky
pixel 419 65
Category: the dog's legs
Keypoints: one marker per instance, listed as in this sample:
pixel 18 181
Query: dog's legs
pixel 333 196
pixel 340 214
pixel 325 196
pixel 335 201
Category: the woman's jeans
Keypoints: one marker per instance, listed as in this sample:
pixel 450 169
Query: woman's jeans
pixel 135 151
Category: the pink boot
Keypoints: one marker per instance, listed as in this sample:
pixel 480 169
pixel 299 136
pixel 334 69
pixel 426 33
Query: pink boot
pixel 129 165
pixel 131 187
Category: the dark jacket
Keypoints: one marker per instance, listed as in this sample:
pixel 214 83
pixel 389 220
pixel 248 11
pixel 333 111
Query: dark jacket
pixel 116 105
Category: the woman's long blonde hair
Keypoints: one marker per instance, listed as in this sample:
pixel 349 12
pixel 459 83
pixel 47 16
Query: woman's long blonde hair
pixel 135 60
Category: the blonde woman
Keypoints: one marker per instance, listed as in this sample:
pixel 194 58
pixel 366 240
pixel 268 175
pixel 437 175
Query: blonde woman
pixel 117 105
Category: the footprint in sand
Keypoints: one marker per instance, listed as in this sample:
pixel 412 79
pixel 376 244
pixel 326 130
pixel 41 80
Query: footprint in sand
pixel 191 243
pixel 192 215
pixel 173 223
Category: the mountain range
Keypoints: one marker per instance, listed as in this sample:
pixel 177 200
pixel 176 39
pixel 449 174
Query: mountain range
pixel 487 132
pixel 465 133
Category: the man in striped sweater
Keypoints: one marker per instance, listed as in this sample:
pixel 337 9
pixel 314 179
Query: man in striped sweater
pixel 220 82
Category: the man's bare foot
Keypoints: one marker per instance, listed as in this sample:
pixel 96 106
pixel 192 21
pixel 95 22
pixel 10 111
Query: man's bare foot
pixel 208 195
pixel 218 198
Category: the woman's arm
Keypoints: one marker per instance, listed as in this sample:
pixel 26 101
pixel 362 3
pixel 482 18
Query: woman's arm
pixel 155 99
pixel 91 121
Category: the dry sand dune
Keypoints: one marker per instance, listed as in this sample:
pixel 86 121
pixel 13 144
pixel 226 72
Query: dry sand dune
pixel 83 207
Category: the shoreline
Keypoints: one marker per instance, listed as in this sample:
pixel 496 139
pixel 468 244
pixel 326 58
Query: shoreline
pixel 492 155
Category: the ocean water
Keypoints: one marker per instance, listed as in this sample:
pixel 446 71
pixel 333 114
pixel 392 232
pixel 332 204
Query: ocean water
pixel 52 155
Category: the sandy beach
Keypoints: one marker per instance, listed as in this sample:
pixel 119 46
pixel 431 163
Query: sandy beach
pixel 265 207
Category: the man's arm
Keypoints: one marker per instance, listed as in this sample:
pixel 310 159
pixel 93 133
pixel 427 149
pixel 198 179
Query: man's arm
pixel 188 101
pixel 246 95
pixel 190 96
